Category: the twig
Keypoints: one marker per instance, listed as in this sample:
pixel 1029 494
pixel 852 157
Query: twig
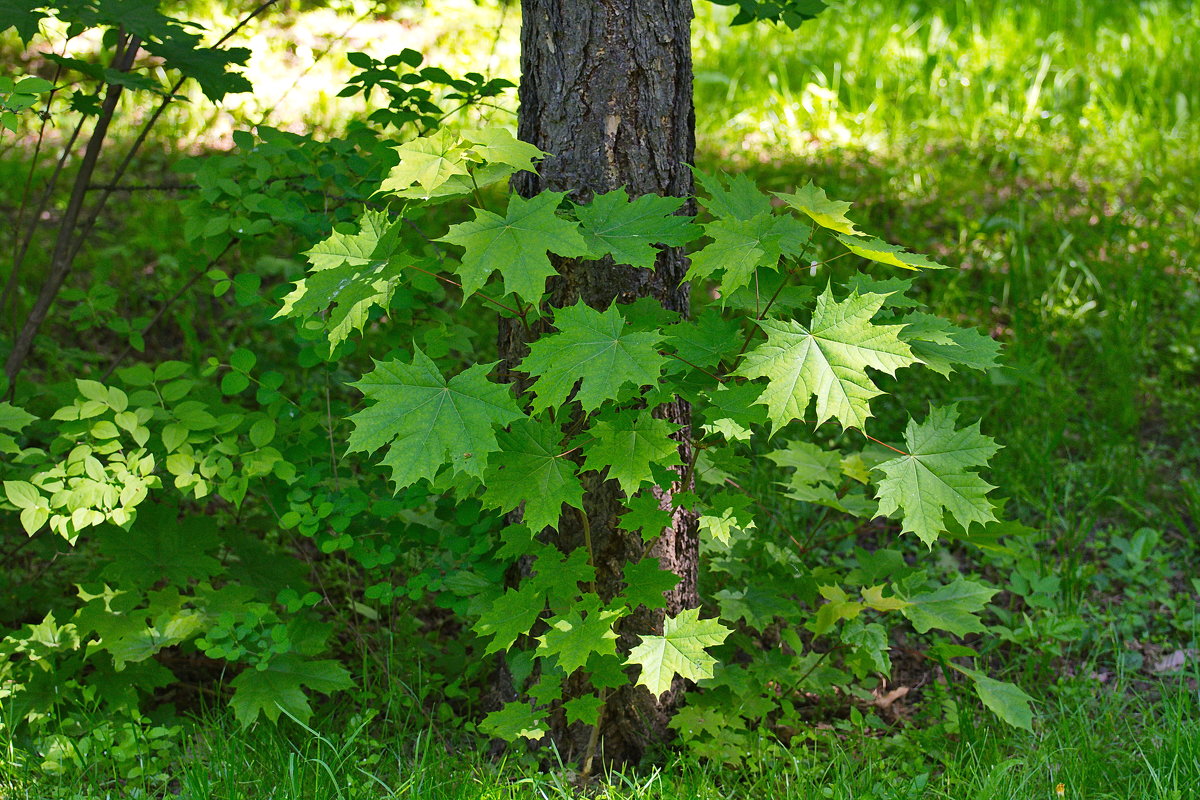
pixel 64 247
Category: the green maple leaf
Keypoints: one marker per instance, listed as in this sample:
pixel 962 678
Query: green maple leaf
pixel 935 477
pixel 592 348
pixel 628 445
pixel 281 686
pixel 679 651
pixel 169 629
pixel 161 547
pixel 531 469
pixel 894 288
pixel 646 582
pixel 644 514
pixel 827 360
pixel 830 214
pixel 628 230
pixel 573 636
pixel 510 615
pixel 499 146
pixel 942 346
pixel 883 253
pixel 515 720
pixel 428 162
pixel 954 608
pixel 429 422
pixel 354 271
pixel 756 606
pixel 739 247
pixel 516 245
pixel 585 709
pixel 812 464
pixel 733 198
pixel 705 340
pixel 1007 700
pixel 557 577
pixel 733 411
pixel 376 240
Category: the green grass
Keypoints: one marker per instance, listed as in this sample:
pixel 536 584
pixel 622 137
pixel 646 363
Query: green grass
pixel 1050 151
pixel 1100 740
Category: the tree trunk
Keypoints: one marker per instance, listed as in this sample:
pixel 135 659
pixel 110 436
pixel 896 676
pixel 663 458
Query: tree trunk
pixel 606 89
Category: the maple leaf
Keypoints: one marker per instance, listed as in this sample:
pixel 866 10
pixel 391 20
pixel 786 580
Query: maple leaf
pixel 644 514
pixel 627 230
pixel 942 346
pixel 510 615
pixel 952 608
pixel 679 651
pixel 705 340
pixel 628 445
pixel 428 162
pixel 646 582
pixel 355 271
pixel 573 637
pixel 831 214
pixel 735 198
pixel 739 247
pixel 516 245
pixel 585 709
pixel 593 349
pixel 531 469
pixel 281 685
pixel 827 360
pixel 429 422
pixel 881 252
pixel 515 719
pixel 499 146
pixel 935 476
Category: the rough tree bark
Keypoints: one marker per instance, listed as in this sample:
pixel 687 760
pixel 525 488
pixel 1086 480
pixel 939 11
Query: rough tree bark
pixel 606 88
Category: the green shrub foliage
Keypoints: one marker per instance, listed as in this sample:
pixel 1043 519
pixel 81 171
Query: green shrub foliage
pixel 374 441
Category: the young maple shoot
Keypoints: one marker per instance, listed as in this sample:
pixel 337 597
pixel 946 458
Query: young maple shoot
pixel 768 349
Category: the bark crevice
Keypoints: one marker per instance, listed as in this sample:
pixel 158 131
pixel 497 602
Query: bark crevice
pixel 606 88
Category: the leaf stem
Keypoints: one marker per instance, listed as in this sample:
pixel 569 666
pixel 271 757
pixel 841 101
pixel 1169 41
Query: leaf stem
pixel 594 738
